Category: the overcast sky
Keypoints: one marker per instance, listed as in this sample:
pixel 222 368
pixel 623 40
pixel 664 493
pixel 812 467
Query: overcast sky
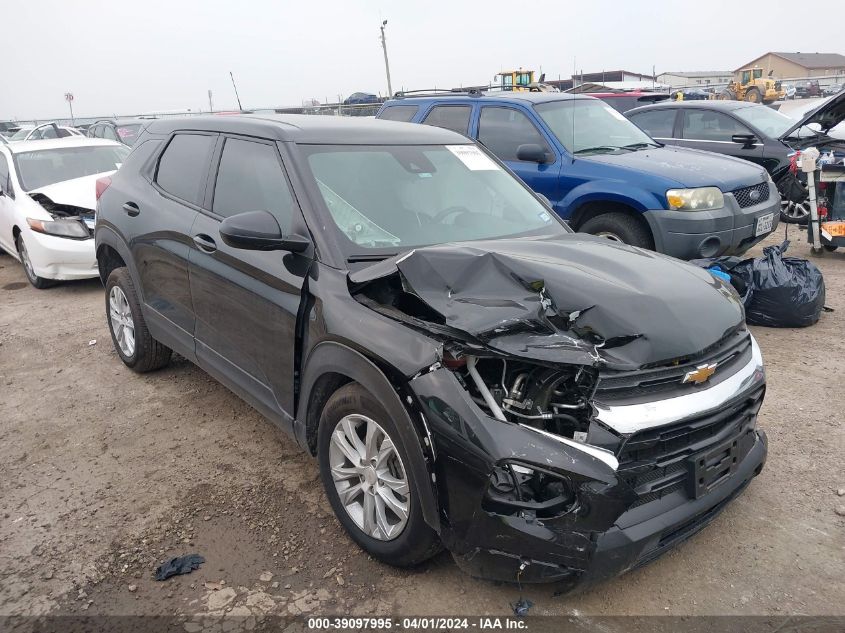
pixel 124 57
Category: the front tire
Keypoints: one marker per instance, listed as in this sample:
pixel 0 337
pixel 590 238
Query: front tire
pixel 132 341
pixel 363 467
pixel 753 95
pixel 619 227
pixel 39 282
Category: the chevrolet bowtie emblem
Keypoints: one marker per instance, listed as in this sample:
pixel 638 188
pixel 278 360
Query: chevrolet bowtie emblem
pixel 700 374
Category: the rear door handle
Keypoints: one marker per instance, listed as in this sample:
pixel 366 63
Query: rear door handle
pixel 205 243
pixel 131 209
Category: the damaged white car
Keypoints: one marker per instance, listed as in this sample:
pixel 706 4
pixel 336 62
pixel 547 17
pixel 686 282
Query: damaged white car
pixel 48 192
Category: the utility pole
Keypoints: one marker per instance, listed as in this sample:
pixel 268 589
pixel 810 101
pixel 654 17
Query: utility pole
pixel 240 107
pixel 386 64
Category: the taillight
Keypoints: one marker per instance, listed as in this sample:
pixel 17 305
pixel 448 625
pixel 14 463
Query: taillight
pixel 102 184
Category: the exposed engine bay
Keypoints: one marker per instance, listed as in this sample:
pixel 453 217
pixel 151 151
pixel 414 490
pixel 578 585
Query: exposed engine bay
pixel 555 400
pixel 68 213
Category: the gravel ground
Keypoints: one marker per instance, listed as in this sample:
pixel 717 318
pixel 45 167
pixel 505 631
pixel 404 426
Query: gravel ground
pixel 106 473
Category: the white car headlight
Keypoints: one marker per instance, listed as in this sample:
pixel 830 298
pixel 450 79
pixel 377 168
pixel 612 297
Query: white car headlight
pixel 700 199
pixel 73 229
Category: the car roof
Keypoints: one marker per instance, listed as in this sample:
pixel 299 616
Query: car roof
pixel 304 128
pixel 125 121
pixel 526 97
pixel 726 106
pixel 55 143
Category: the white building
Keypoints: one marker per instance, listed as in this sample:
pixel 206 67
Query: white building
pixel 700 79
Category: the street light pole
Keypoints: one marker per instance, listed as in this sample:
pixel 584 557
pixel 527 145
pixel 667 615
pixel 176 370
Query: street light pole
pixel 386 64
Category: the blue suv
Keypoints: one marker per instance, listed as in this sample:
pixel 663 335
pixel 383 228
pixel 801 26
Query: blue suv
pixel 605 176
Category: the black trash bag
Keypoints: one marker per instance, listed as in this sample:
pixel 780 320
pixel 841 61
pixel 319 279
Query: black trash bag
pixel 785 291
pixel 777 291
pixel 791 188
pixel 727 264
pixel 179 565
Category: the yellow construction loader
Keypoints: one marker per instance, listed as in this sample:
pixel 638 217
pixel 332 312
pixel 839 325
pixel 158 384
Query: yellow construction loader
pixel 753 88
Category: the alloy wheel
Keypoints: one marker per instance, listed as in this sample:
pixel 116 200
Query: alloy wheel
pixel 795 211
pixel 369 477
pixel 121 321
pixel 27 264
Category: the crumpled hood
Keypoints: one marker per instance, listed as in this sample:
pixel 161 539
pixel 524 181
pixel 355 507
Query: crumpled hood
pixel 570 299
pixel 79 192
pixel 688 167
pixel 828 115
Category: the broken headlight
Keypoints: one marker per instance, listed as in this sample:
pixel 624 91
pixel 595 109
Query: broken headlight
pixel 73 229
pixel 531 492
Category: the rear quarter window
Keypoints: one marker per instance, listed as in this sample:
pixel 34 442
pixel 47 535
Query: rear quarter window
pixel 183 167
pixel 399 113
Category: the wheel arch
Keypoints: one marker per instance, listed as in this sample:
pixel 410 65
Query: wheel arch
pixel 329 366
pixel 112 252
pixel 594 208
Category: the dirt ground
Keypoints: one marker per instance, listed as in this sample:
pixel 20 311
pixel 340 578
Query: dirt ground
pixel 105 473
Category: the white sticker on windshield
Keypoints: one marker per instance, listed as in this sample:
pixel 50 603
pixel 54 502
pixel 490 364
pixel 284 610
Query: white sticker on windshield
pixel 472 157
pixel 615 113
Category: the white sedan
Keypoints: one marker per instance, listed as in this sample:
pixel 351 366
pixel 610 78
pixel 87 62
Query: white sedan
pixel 48 201
pixel 44 131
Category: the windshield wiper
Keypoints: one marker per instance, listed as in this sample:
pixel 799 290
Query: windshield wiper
pixel 369 257
pixel 640 145
pixel 598 148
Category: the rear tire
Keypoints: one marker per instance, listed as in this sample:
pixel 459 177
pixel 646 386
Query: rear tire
pixel 39 282
pixel 352 409
pixel 619 227
pixel 132 341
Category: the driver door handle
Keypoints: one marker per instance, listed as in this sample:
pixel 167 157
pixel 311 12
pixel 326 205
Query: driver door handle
pixel 205 243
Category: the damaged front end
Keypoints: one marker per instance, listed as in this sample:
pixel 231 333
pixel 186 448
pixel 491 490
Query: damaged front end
pixel 570 442
pixel 68 221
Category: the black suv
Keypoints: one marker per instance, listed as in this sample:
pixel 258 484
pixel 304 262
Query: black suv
pixel 468 371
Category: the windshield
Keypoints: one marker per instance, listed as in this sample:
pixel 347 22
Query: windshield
pixel 588 126
pixel 129 133
pixel 44 167
pixel 21 134
pixel 391 198
pixel 768 121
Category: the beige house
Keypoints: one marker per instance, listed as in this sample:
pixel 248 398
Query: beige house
pixel 794 65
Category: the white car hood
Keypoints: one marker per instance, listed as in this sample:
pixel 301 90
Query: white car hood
pixel 79 192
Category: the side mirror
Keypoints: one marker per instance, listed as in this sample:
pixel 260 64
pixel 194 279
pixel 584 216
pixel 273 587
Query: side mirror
pixel 531 153
pixel 746 140
pixel 545 200
pixel 259 231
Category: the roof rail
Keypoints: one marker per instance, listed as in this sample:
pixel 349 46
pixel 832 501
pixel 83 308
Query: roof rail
pixel 435 92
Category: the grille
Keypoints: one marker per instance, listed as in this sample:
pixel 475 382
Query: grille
pixel 749 196
pixel 729 354
pixel 655 462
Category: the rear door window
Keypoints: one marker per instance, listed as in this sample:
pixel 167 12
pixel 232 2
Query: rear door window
pixel 5 180
pixel 250 178
pixel 503 130
pixel 108 132
pixel 399 113
pixel 183 167
pixel 707 125
pixel 658 123
pixel 451 117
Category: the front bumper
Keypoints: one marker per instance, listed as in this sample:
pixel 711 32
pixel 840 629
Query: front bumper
pixel 725 231
pixel 61 258
pixel 610 530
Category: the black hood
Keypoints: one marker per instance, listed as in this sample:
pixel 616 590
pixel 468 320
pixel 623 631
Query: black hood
pixel 570 299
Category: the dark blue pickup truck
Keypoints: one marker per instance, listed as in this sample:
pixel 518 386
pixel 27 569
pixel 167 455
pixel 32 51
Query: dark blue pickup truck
pixel 607 177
